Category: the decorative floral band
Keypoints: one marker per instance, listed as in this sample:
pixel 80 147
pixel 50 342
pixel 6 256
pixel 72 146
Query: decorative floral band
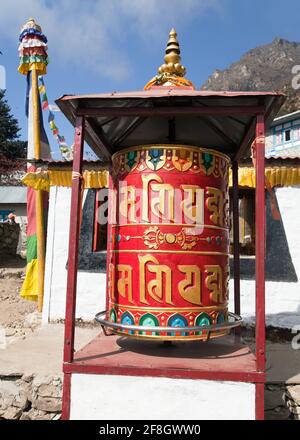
pixel 153 237
pixel 169 318
pixel 171 157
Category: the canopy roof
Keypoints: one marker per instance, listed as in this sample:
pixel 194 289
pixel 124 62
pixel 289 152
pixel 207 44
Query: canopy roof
pixel 224 121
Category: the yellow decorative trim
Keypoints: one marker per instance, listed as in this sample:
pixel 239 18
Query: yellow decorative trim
pixel 38 180
pixel 172 309
pixel 186 225
pixel 44 179
pixel 277 176
pixel 116 251
pixel 203 337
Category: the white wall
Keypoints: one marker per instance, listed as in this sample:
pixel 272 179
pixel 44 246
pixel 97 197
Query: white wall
pixel 282 299
pixel 91 286
pixel 153 398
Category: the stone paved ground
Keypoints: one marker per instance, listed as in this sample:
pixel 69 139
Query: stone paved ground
pixel 14 310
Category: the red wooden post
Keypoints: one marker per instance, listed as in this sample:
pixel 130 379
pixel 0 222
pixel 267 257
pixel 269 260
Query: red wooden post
pixel 259 401
pixel 66 397
pixel 110 219
pixel 75 216
pixel 260 242
pixel 236 241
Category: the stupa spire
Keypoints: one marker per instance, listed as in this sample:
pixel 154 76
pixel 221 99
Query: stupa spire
pixel 172 72
pixel 172 58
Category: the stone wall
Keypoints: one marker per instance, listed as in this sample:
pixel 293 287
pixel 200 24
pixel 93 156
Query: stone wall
pixel 34 397
pixel 9 237
pixel 30 397
pixel 291 397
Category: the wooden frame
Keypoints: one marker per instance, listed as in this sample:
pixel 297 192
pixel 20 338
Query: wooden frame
pixel 257 377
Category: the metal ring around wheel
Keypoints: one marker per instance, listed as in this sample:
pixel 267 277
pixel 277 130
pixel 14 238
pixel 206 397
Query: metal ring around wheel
pixel 140 328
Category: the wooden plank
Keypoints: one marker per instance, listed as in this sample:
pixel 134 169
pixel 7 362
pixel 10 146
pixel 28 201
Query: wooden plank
pixel 75 216
pixel 260 241
pixel 170 111
pixel 236 242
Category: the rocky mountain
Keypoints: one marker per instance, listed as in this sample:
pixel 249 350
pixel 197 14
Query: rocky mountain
pixel 265 68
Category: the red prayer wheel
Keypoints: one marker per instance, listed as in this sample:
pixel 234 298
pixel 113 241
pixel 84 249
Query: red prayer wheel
pixel 169 256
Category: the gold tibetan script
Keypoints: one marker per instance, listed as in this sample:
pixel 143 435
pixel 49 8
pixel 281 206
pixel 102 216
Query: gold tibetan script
pixel 111 280
pixel 215 204
pixel 214 283
pixel 190 287
pixel 125 281
pixel 163 204
pixel 158 204
pixel 192 204
pixel 158 288
pixel 147 179
pixel 127 205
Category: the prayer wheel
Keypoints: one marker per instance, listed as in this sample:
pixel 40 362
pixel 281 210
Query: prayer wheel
pixel 169 251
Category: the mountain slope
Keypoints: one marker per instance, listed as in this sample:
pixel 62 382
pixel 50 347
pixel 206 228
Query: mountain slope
pixel 264 68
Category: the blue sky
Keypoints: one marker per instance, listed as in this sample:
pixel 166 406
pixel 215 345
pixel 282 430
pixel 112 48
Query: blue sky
pixel 107 45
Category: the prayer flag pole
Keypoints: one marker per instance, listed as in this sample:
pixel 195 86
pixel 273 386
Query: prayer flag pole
pixel 33 62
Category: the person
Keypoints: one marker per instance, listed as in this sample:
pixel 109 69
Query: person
pixel 11 218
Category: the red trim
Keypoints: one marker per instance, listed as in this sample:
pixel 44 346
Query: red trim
pixel 66 397
pixel 172 373
pixel 75 216
pixel 236 241
pixel 260 244
pixel 95 225
pixel 109 238
pixel 157 92
pixel 171 111
pixel 260 401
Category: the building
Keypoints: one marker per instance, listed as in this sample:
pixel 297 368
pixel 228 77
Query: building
pixel 13 200
pixel 283 140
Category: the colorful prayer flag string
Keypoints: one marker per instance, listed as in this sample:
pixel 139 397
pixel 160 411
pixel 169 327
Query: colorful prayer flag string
pixel 66 152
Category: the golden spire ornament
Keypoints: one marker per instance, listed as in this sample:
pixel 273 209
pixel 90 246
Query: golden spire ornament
pixel 172 72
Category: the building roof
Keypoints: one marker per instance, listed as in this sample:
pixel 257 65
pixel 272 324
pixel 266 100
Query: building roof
pixel 286 118
pixel 13 194
pixel 220 120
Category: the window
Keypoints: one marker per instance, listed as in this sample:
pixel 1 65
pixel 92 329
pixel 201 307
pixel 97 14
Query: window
pixel 287 135
pixel 100 225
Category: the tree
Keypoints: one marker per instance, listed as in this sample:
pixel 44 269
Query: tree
pixel 12 150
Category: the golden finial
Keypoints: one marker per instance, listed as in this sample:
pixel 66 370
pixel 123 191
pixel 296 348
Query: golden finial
pixel 172 72
pixel 172 58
